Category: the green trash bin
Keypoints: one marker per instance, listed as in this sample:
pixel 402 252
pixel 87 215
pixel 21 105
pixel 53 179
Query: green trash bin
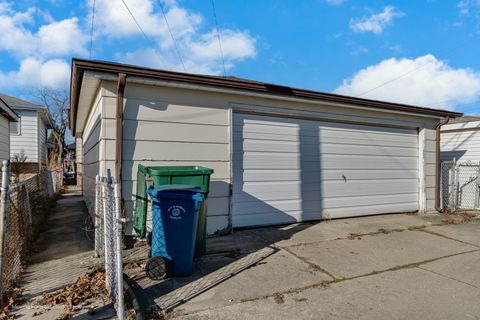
pixel 190 175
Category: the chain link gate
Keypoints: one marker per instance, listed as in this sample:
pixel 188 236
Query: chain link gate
pixel 108 238
pixel 460 185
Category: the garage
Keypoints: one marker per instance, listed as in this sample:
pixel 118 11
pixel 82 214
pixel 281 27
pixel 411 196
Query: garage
pixel 291 170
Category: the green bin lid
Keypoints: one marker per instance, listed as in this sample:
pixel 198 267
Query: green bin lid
pixel 178 170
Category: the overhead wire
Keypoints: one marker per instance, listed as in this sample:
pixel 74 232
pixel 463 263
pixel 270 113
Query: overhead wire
pixel 136 22
pixel 171 35
pixel 91 30
pixel 218 38
pixel 408 72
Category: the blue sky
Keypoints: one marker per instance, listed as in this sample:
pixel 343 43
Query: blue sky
pixel 418 52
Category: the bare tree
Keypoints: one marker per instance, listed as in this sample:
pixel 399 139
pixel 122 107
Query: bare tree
pixel 18 165
pixel 58 102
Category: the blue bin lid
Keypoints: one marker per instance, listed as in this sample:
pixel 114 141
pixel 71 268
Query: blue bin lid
pixel 183 191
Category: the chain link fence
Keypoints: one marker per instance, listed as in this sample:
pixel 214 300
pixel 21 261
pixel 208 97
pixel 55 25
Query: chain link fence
pixel 24 206
pixel 108 238
pixel 460 185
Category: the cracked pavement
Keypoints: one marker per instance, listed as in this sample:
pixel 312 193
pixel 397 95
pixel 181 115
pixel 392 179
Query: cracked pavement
pixel 390 266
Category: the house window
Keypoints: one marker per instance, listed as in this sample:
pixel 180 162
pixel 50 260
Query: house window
pixel 15 127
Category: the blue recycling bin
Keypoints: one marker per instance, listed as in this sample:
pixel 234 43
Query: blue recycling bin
pixel 175 210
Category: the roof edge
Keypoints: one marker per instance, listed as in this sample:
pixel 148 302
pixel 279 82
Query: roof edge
pixel 8 112
pixel 80 65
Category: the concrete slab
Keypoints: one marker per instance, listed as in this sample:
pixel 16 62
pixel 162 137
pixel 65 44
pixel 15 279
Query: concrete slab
pixel 342 228
pixel 402 294
pixel 350 258
pixel 267 276
pixel 468 232
pixel 241 241
pixel 464 267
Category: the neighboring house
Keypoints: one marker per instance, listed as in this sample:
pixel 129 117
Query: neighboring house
pixel 460 139
pixel 7 118
pixel 460 142
pixel 30 133
pixel 280 154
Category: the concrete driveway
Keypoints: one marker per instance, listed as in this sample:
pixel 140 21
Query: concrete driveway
pixel 380 267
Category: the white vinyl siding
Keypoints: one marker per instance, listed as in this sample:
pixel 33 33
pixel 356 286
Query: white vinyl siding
pixel 289 170
pixel 92 142
pixel 463 145
pixel 173 135
pixel 171 126
pixel 4 139
pixel 27 140
pixel 42 142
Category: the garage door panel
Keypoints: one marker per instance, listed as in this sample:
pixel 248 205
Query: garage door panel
pixel 325 148
pixel 327 188
pixel 296 205
pixel 308 140
pixel 295 175
pixel 368 210
pixel 373 200
pixel 320 131
pixel 288 161
pixel 287 170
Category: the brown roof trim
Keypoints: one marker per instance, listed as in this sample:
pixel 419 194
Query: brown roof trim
pixel 80 65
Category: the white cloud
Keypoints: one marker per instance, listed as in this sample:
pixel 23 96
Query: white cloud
pixel 433 83
pixel 61 38
pixel 32 72
pixel 376 23
pixel 200 51
pixel 56 38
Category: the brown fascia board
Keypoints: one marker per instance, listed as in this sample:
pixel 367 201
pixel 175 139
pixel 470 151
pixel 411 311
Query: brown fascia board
pixel 80 65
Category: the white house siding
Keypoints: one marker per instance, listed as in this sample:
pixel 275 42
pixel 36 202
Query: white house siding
pixel 173 126
pixel 27 139
pixel 42 143
pixel 92 144
pixel 4 139
pixel 461 141
pixel 79 159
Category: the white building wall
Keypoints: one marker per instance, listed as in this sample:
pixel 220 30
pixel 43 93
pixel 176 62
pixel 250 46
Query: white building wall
pixel 173 126
pixel 4 139
pixel 42 143
pixel 461 141
pixel 26 140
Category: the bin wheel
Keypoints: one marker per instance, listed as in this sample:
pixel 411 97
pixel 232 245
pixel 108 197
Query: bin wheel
pixel 156 268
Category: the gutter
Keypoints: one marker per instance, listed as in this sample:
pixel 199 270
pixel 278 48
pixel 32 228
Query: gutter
pixel 438 164
pixel 121 82
pixel 231 84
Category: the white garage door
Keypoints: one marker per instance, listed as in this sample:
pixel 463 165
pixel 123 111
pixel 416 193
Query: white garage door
pixel 289 170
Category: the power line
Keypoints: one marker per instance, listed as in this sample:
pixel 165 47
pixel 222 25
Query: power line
pixel 91 30
pixel 218 37
pixel 409 72
pixel 171 35
pixel 136 22
pixel 138 25
pixel 393 79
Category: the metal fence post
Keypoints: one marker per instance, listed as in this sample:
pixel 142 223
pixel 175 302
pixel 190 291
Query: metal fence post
pixel 106 252
pixel 3 219
pixel 118 249
pixel 96 218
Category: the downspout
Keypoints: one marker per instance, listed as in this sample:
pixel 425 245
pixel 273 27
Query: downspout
pixel 122 80
pixel 438 164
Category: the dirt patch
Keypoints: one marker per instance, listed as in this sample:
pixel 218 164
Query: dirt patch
pixel 354 236
pixel 279 298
